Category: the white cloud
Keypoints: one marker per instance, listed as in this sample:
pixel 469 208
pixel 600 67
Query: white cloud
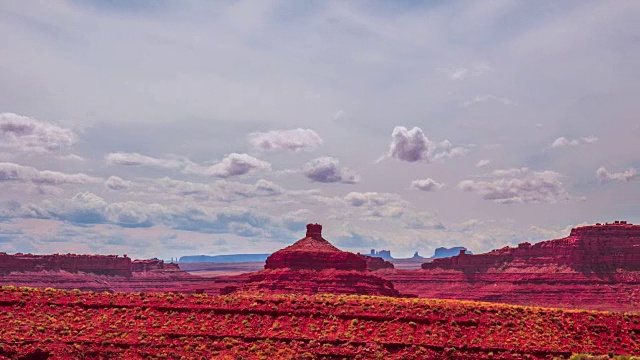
pixel 20 173
pixel 233 164
pixel 461 73
pixel 369 198
pixel 220 190
pixel 627 175
pixel 26 134
pixel 427 184
pixel 117 183
pixel 479 99
pixel 290 140
pixel 563 141
pixel 89 208
pixel 412 145
pixel 135 159
pixel 483 163
pixel 518 186
pixel 328 170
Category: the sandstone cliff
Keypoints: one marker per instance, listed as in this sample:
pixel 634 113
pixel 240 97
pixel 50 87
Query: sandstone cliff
pixel 595 267
pixel 97 264
pixel 599 248
pixel 111 265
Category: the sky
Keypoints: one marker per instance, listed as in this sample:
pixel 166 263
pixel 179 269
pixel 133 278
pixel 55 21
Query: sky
pixel 171 128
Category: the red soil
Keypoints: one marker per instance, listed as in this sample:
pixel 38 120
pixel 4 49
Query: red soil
pixel 74 324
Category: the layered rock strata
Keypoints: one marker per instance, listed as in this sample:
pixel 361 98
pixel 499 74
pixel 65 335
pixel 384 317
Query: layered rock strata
pixel 111 265
pixel 98 264
pixel 595 267
pixel 598 248
pixel 312 265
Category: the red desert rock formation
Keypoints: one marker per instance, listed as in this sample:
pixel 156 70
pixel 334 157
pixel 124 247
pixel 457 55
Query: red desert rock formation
pixel 312 265
pixel 112 265
pixel 314 253
pixel 98 264
pixel 376 263
pixel 597 248
pixel 595 267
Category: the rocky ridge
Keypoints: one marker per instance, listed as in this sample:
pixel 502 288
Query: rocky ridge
pixel 595 267
pixel 600 248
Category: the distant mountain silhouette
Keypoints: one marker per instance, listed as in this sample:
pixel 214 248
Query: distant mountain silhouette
pixel 443 252
pixel 232 258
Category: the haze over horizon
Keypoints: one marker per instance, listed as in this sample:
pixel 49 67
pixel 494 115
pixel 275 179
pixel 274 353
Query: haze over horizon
pixel 171 128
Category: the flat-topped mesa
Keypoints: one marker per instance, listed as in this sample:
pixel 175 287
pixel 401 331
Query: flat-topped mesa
pixel 98 264
pixel 314 253
pixel 595 248
pixel 112 265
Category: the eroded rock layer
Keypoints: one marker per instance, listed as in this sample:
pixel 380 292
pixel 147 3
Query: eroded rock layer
pixel 600 248
pixel 97 264
pixel 595 267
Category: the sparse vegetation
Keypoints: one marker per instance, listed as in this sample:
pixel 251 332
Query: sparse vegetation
pixel 71 324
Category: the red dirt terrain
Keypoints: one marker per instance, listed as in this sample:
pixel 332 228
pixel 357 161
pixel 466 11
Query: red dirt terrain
pixel 59 324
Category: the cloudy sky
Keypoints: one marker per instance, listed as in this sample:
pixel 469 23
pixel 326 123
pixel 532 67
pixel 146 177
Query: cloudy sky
pixel 169 128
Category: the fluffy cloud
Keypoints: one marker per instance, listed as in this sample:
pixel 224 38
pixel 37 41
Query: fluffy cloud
pixel 427 184
pixel 117 183
pixel 483 163
pixel 135 159
pixel 412 145
pixel 19 173
pixel 328 170
pixel 221 190
pixel 87 208
pixel 627 175
pixel 30 135
pixel 232 165
pixel 369 198
pixel 518 186
pixel 563 141
pixel 290 140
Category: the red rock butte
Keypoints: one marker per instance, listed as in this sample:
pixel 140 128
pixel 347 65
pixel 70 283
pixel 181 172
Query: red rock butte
pixel 312 265
pixel 314 253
